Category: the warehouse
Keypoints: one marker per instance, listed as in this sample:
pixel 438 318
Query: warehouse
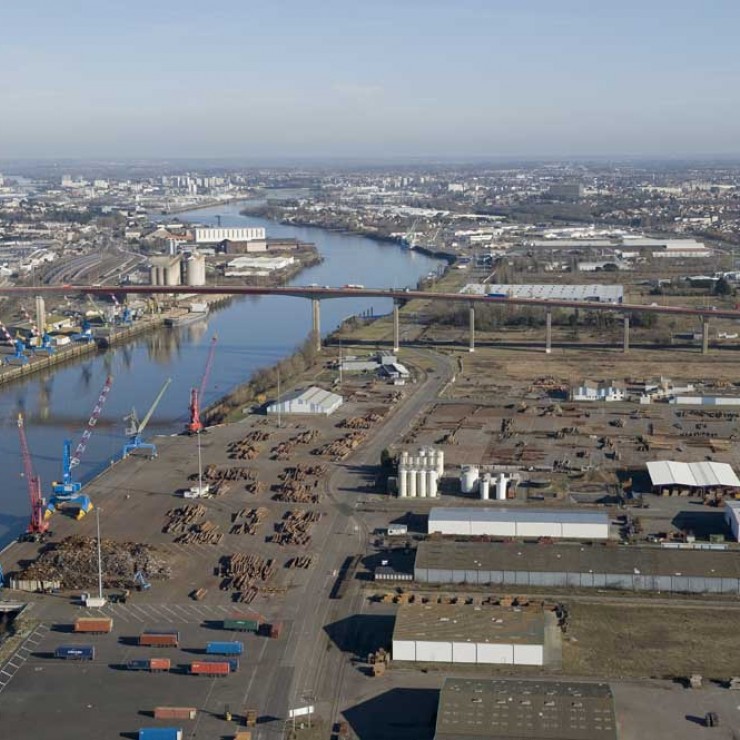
pixel 660 569
pixel 559 292
pixel 313 400
pixel 507 709
pixel 473 522
pixel 701 477
pixel 451 633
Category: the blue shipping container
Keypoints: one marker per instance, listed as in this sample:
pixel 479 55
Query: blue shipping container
pixel 160 733
pixel 225 648
pixel 233 663
pixel 75 652
pixel 138 665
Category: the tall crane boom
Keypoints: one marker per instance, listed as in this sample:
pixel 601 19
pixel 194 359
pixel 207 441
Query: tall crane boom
pixel 195 425
pixel 91 422
pixel 36 525
pixel 136 427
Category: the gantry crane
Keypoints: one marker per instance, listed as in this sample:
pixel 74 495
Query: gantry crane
pixel 136 428
pixel 195 425
pixel 67 490
pixel 37 526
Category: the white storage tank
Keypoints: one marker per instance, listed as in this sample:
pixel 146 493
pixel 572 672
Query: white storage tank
pixel 469 478
pixel 501 483
pixel 402 484
pixel 440 462
pixel 432 491
pixel 485 487
pixel 411 484
pixel 421 483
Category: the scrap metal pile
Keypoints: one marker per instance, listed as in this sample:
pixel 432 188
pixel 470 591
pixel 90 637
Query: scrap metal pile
pixel 74 563
pixel 244 573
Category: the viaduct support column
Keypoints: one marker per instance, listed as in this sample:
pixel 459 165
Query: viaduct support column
pixel 548 331
pixel 472 328
pixel 704 335
pixel 316 327
pixel 626 343
pixel 396 328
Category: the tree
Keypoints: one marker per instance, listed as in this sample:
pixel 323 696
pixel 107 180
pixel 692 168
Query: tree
pixel 722 287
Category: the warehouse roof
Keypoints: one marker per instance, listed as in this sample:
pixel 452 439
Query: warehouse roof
pixel 312 396
pixel 555 291
pixel 471 708
pixel 693 475
pixel 500 556
pixel 472 513
pixel 466 623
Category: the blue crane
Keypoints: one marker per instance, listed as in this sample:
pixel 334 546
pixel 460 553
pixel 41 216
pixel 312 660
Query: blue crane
pixel 136 428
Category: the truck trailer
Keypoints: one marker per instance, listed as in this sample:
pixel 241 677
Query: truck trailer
pixel 75 652
pixel 160 733
pixel 241 625
pixel 225 648
pixel 164 638
pixel 153 665
pixel 93 625
pixel 175 712
pixel 207 668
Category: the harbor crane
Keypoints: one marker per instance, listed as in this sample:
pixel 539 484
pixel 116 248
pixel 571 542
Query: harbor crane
pixel 67 491
pixel 195 425
pixel 37 526
pixel 136 428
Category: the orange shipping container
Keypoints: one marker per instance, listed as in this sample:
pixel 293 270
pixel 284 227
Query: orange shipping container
pixel 159 664
pixel 159 639
pixel 202 668
pixel 93 624
pixel 175 712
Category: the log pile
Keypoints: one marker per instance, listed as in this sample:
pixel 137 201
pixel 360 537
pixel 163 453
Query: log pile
pixel 302 561
pixel 203 533
pixel 255 487
pixel 300 484
pixel 340 448
pixel 244 573
pixel 213 474
pixel 360 422
pixel 283 450
pixel 180 520
pixel 247 448
pixel 74 563
pixel 247 521
pixel 294 528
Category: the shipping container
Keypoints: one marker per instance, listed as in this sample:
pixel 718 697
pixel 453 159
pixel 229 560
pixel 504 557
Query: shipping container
pixel 241 625
pixel 94 625
pixel 167 638
pixel 233 663
pixel 206 668
pixel 225 648
pixel 160 733
pixel 275 630
pixel 75 652
pixel 175 712
pixel 154 665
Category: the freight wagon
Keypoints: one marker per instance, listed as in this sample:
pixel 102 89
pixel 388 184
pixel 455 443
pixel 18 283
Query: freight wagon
pixel 225 648
pixel 165 638
pixel 241 625
pixel 160 733
pixel 75 652
pixel 206 668
pixel 93 625
pixel 154 665
pixel 175 712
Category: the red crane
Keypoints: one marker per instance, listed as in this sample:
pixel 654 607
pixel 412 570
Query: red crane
pixel 195 426
pixel 36 526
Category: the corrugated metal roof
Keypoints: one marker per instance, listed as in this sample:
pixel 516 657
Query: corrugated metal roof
pixel 692 475
pixel 561 516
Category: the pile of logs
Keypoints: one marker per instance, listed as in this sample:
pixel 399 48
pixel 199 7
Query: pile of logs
pixel 74 563
pixel 214 474
pixel 283 450
pixel 181 519
pixel 340 448
pixel 243 573
pixel 255 486
pixel 294 528
pixel 360 422
pixel 203 533
pixel 302 561
pixel 248 447
pixel 300 484
pixel 247 521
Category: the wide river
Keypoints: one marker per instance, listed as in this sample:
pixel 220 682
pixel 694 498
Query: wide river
pixel 252 333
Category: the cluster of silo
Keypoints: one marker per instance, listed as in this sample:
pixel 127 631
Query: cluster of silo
pixel 194 268
pixel 164 270
pixel 419 474
pixel 471 481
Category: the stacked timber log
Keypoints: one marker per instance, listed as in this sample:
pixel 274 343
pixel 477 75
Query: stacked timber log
pixel 294 528
pixel 247 521
pixel 244 573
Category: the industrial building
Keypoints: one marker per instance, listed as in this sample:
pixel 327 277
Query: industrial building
pixel 194 268
pixel 555 292
pixel 588 390
pixel 240 234
pixel 700 477
pixel 451 633
pixel 419 474
pixel 527 523
pixel 507 709
pixel 313 400
pixel 732 518
pixel 710 569
pixel 165 270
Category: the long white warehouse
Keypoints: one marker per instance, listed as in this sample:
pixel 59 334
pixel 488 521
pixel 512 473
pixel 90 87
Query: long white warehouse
pixel 472 522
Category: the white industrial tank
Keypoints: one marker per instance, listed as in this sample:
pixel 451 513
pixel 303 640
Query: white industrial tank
pixel 469 479
pixel 485 487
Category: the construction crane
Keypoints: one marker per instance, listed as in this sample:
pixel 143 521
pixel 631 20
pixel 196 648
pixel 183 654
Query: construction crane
pixel 67 490
pixel 195 426
pixel 141 582
pixel 37 526
pixel 136 428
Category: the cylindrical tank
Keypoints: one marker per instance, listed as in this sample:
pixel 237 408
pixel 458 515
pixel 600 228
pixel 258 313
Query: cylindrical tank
pixel 421 482
pixel 195 270
pixel 501 487
pixel 485 487
pixel 469 478
pixel 432 491
pixel 154 275
pixel 402 486
pixel 411 483
pixel 440 462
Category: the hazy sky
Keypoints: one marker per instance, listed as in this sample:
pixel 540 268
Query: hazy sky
pixel 368 78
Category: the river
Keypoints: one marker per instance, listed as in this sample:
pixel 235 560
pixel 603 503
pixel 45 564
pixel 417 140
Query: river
pixel 252 332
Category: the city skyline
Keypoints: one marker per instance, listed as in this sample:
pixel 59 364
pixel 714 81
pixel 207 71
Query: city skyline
pixel 387 81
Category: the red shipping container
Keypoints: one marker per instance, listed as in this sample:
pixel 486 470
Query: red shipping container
pixel 93 625
pixel 159 639
pixel 202 668
pixel 159 664
pixel 175 712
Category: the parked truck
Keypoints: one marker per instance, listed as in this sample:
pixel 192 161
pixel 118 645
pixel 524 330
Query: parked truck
pixel 233 663
pixel 225 648
pixel 160 733
pixel 93 625
pixel 241 625
pixel 164 638
pixel 207 668
pixel 75 652
pixel 153 665
pixel 175 712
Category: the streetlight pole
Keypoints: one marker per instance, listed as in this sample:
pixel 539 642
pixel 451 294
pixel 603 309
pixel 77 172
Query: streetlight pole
pixel 100 559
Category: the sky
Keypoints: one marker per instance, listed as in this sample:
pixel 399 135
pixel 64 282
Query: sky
pixel 388 79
